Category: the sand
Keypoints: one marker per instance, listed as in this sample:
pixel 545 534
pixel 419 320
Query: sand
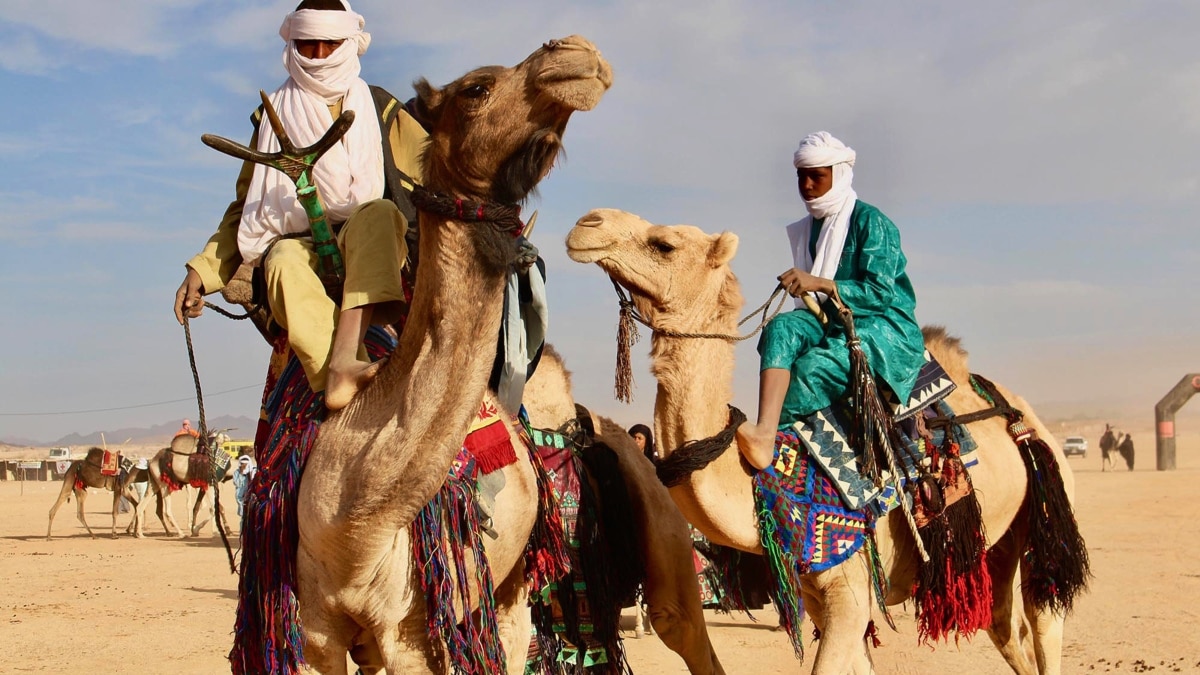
pixel 163 604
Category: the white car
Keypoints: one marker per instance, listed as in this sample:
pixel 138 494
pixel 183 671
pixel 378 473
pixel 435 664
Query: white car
pixel 1075 445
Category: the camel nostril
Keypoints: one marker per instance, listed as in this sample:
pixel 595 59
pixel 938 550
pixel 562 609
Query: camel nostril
pixel 590 220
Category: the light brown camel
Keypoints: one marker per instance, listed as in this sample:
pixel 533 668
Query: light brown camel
pixel 494 134
pixel 180 472
pixel 88 472
pixel 680 280
pixel 672 591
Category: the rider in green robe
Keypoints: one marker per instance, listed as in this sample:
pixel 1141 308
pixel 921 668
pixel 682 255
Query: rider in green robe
pixel 846 243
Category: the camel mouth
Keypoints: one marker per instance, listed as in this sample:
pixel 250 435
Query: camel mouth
pixel 575 74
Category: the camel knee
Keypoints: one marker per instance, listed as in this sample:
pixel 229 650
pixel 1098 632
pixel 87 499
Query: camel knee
pixel 675 627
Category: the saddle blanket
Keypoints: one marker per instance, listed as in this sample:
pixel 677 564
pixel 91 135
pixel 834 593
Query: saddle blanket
pixel 813 527
pixel 111 464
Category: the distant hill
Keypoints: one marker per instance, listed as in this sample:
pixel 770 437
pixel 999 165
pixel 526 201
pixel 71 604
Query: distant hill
pixel 243 426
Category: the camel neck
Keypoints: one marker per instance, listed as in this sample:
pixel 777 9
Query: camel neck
pixel 695 384
pixel 409 424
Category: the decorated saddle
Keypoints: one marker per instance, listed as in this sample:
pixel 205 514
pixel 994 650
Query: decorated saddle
pixel 817 509
pixel 447 534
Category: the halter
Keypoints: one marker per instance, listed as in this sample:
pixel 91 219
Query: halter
pixel 627 334
pixel 505 218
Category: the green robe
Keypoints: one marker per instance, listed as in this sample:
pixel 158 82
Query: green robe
pixel 872 281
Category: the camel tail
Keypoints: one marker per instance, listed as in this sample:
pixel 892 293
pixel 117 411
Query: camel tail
pixel 1057 556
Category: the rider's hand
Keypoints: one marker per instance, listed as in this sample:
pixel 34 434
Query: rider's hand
pixel 189 298
pixel 798 282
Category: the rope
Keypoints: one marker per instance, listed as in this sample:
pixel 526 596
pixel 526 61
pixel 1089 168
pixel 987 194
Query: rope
pixel 504 217
pixel 627 308
pixel 696 455
pixel 203 440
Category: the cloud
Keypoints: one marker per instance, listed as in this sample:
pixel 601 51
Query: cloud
pixel 134 27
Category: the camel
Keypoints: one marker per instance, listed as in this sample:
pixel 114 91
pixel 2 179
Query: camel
pixel 86 472
pixel 671 589
pixel 494 134
pixel 179 472
pixel 679 280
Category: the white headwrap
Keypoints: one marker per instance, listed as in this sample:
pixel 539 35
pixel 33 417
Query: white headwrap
pixel 835 207
pixel 349 173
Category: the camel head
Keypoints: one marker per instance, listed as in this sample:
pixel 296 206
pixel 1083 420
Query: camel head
pixel 496 132
pixel 677 275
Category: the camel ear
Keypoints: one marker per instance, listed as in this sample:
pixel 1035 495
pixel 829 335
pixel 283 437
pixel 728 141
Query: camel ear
pixel 723 249
pixel 426 106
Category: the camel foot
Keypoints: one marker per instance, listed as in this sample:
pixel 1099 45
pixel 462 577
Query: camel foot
pixel 756 445
pixel 344 382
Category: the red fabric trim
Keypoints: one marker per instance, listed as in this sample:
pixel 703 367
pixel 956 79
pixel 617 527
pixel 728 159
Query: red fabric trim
pixel 491 447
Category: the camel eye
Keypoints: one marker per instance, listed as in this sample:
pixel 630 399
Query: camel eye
pixel 661 246
pixel 475 91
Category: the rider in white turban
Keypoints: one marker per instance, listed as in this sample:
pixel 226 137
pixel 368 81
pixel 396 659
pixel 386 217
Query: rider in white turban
pixel 266 225
pixel 847 245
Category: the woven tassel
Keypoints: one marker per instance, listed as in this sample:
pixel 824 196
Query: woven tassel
pixel 953 591
pixel 1059 568
pixel 627 335
pixel 785 586
pixel 868 412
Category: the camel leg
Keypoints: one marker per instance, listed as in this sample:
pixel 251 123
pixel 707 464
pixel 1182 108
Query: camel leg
pixel 195 523
pixel 116 486
pixel 673 601
pixel 80 496
pixel 639 614
pixel 846 612
pixel 513 619
pixel 63 495
pixel 1009 630
pixel 170 524
pixel 1047 635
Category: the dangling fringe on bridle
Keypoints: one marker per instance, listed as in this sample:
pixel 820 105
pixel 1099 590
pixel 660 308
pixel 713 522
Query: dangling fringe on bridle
pixel 627 334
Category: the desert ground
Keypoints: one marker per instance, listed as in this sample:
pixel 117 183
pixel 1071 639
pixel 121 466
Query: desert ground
pixel 166 605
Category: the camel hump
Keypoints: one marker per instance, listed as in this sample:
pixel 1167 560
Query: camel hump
pixel 184 444
pixel 948 351
pixel 95 455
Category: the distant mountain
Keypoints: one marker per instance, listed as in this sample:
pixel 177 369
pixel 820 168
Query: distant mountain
pixel 243 427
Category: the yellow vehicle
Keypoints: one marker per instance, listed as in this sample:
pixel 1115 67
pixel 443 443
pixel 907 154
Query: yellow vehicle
pixel 238 448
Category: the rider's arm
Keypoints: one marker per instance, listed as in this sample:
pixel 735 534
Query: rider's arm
pixel 221 257
pixel 879 266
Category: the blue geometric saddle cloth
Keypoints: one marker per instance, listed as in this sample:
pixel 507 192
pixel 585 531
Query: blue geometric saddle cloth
pixel 823 435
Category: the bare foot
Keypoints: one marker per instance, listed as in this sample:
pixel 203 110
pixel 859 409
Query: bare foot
pixel 756 445
pixel 344 382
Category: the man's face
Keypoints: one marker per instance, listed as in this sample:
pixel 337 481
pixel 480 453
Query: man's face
pixel 317 49
pixel 814 181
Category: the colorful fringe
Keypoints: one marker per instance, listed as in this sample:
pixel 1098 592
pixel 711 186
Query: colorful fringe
pixel 267 633
pixel 576 614
pixel 443 534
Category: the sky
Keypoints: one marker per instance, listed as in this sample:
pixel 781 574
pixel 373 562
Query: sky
pixel 1039 159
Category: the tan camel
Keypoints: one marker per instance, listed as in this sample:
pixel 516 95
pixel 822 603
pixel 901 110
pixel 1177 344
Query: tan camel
pixel 178 474
pixel 88 472
pixel 671 589
pixel 680 280
pixel 494 134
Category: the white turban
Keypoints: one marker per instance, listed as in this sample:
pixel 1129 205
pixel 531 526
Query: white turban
pixel 351 172
pixel 822 149
pixel 834 207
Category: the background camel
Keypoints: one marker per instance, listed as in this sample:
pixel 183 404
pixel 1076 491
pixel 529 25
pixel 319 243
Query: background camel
pixel 85 473
pixel 671 588
pixel 172 468
pixel 679 279
pixel 494 134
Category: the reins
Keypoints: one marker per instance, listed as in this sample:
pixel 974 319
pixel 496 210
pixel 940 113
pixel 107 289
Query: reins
pixel 627 334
